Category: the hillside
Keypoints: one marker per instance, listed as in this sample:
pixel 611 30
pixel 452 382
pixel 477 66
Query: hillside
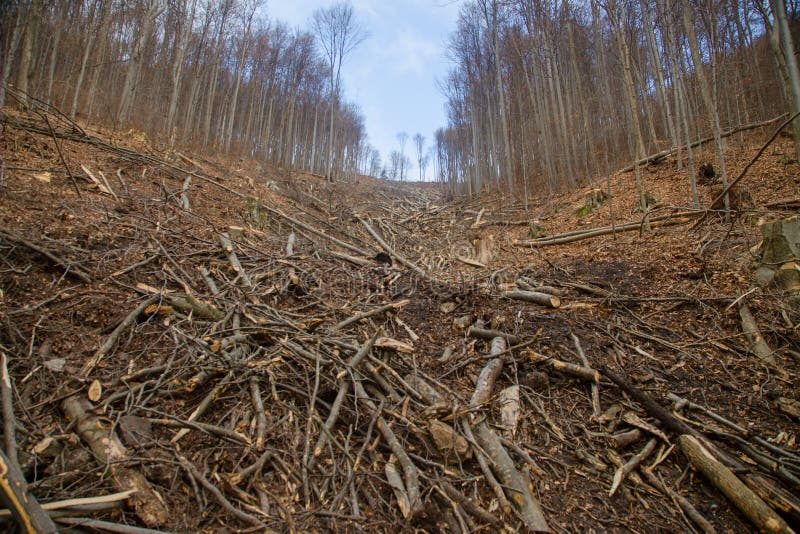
pixel 219 327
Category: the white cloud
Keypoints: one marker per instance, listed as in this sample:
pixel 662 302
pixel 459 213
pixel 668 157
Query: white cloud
pixel 411 53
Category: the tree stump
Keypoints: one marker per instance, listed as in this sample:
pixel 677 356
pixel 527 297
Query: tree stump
pixel 780 257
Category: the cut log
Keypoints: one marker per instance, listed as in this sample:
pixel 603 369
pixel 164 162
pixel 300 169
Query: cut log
pixel 759 513
pixel 109 451
pixel 754 337
pixel 543 299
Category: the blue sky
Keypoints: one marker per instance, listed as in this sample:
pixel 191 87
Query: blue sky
pixel 392 75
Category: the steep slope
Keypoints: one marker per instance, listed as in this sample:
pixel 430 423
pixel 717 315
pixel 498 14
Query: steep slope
pixel 224 343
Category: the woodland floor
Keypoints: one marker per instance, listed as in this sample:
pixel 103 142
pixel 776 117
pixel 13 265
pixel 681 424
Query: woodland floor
pixel 664 320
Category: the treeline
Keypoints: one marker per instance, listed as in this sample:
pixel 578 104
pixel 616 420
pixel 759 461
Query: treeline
pixel 547 94
pixel 215 75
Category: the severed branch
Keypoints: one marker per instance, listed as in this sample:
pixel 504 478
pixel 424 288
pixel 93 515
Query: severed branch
pixel 108 450
pixel 517 486
pixel 753 335
pixel 13 487
pixel 584 373
pixel 9 420
pixel 185 194
pixel 631 465
pixel 761 515
pixel 595 391
pixel 68 267
pixel 106 347
pixel 389 250
pixel 261 417
pixel 14 493
pixel 227 246
pixel 543 299
pixel 570 237
pixel 371 313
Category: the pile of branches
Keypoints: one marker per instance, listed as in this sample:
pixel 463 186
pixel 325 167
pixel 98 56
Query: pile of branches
pixel 262 378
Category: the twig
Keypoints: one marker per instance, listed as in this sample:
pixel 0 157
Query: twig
pixel 593 384
pixel 104 349
pixel 220 498
pixel 68 267
pixel 9 420
pixel 371 313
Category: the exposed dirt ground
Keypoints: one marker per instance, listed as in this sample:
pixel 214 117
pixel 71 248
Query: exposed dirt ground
pixel 658 307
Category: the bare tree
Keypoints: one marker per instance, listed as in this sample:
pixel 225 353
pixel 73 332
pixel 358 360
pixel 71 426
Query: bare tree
pixel 419 143
pixel 782 25
pixel 136 59
pixel 339 34
pixel 402 138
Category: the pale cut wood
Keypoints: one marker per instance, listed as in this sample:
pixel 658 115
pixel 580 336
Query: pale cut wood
pixel 753 335
pixel 109 451
pixel 543 299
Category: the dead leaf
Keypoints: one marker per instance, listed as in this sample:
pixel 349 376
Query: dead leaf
pixel 95 390
pixel 43 177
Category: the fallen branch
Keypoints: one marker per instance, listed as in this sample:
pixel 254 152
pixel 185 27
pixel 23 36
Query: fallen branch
pixel 83 501
pixel 389 250
pixel 13 487
pixel 759 513
pixel 656 222
pixel 578 371
pixel 543 299
pixel 371 313
pixel 747 167
pixel 687 507
pixel 754 337
pixel 666 153
pixel 109 451
pixel 104 349
pixel 520 494
pixel 68 267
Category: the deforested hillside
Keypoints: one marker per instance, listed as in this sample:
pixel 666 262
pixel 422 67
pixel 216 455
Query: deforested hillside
pixel 269 351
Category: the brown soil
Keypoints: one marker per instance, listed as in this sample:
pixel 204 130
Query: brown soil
pixel 667 326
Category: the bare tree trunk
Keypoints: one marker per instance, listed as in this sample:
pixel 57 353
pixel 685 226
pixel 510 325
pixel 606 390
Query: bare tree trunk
pixel 132 76
pixel 782 26
pixel 705 89
pixel 630 90
pixel 61 16
pixel 24 71
pixel 8 60
pixel 184 29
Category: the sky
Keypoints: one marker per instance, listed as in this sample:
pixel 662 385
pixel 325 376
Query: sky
pixel 393 74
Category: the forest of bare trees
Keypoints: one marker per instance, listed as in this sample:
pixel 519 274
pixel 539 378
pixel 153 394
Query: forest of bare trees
pixel 213 75
pixel 544 95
